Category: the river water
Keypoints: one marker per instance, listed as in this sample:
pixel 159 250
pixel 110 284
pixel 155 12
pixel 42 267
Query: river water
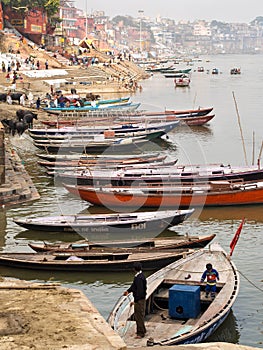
pixel 228 139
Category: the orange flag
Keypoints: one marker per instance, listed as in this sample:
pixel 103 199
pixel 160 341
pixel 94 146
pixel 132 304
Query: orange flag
pixel 236 237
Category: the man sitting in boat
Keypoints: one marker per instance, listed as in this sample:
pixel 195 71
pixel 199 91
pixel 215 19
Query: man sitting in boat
pixel 211 275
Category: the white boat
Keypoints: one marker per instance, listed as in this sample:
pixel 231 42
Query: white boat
pixel 177 311
pixel 140 222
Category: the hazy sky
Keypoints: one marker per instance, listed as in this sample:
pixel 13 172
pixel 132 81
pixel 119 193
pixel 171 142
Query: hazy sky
pixel 222 10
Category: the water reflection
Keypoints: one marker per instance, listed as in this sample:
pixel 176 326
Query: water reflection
pixel 227 332
pixel 250 212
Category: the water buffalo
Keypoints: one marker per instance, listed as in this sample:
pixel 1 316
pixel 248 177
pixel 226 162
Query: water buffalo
pixel 12 126
pixel 16 96
pixel 20 127
pixel 20 113
pixel 28 118
pixel 3 97
pixel 9 125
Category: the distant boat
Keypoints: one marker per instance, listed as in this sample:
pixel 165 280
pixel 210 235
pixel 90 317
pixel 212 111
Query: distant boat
pixel 183 81
pixel 177 73
pixel 177 309
pixel 235 71
pixel 215 71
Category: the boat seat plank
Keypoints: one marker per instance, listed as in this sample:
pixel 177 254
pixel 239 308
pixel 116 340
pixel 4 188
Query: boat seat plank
pixel 190 283
pixel 164 295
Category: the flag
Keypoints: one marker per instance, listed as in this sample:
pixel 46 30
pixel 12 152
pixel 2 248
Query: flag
pixel 236 237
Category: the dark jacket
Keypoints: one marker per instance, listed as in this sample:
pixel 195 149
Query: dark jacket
pixel 138 287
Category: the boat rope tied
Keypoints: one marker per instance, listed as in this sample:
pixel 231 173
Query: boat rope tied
pixel 249 281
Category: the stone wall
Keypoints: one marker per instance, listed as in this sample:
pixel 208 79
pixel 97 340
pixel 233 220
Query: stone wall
pixel 2 155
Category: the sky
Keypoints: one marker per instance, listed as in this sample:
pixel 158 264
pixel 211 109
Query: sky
pixel 221 10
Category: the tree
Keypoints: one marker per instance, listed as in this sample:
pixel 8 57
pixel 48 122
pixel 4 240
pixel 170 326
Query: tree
pixel 51 7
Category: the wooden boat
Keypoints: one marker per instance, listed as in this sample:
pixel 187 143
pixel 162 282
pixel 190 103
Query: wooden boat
pixel 92 261
pixel 116 158
pixel 196 120
pixel 177 311
pixel 181 242
pixel 215 193
pixel 93 145
pixel 54 170
pixel 183 81
pixel 121 106
pixel 109 131
pixel 140 222
pixel 176 73
pixel 160 175
pixel 106 163
pixel 107 101
pixel 80 119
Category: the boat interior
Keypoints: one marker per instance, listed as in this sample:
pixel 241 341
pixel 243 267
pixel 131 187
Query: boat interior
pixel 174 308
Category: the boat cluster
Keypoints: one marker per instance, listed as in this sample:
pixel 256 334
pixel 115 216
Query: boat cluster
pixel 177 308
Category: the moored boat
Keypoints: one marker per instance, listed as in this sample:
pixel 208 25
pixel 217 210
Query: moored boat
pixel 117 106
pixel 92 261
pixel 214 193
pixel 182 242
pixel 126 223
pixel 161 175
pixel 177 310
pixel 115 129
pixel 96 146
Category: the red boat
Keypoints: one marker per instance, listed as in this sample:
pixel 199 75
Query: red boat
pixel 215 193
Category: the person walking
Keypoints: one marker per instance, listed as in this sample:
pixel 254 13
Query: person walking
pixel 38 102
pixel 46 64
pixel 22 100
pixel 9 98
pixel 30 99
pixel 138 289
pixel 210 275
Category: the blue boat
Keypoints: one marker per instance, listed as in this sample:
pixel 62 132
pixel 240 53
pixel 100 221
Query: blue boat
pixel 100 107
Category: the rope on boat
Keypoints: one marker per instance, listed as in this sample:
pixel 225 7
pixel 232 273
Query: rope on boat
pixel 127 325
pixel 249 281
pixel 158 307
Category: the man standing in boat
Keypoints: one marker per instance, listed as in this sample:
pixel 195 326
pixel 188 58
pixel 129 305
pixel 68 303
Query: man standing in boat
pixel 211 275
pixel 138 289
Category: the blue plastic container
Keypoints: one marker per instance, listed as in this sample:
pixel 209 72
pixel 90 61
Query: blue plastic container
pixel 184 301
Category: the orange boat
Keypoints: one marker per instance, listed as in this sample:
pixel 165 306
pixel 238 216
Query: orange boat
pixel 215 193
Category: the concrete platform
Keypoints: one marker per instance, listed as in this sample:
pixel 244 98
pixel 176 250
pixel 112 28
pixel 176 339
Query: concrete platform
pixel 50 317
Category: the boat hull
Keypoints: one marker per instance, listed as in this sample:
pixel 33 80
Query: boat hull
pixel 123 262
pixel 172 199
pixel 127 223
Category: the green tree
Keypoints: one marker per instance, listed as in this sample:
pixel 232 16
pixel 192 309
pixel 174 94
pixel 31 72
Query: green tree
pixel 50 6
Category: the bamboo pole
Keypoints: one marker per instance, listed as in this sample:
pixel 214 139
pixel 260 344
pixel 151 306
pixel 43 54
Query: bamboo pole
pixel 240 128
pixel 260 153
pixel 253 148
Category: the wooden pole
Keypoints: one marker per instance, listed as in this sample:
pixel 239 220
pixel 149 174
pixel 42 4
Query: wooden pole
pixel 260 153
pixel 240 128
pixel 253 148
